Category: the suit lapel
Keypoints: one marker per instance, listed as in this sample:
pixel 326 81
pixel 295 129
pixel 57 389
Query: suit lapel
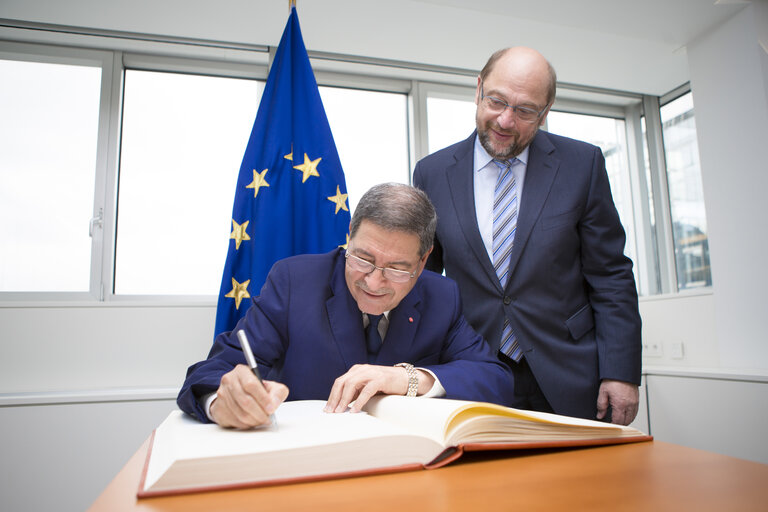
pixel 539 175
pixel 346 320
pixel 462 187
pixel 403 323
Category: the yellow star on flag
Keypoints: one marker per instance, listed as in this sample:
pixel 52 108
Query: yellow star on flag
pixel 309 168
pixel 239 292
pixel 340 200
pixel 258 181
pixel 289 156
pixel 346 244
pixel 238 233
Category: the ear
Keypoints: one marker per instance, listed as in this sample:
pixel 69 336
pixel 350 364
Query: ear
pixel 477 93
pixel 423 260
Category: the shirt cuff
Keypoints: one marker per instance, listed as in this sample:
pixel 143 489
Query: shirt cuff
pixel 437 390
pixel 206 402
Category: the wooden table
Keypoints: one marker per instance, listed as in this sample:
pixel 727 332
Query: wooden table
pixel 651 476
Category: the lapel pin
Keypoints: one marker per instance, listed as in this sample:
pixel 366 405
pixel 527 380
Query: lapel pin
pixel 410 319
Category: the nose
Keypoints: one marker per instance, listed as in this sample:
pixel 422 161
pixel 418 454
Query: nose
pixel 375 279
pixel 507 119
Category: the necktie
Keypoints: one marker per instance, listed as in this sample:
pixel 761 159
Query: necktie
pixel 504 225
pixel 372 337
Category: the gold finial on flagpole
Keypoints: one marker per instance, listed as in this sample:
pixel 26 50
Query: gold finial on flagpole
pixel 291 4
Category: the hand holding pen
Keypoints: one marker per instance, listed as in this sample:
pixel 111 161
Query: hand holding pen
pixel 251 360
pixel 243 401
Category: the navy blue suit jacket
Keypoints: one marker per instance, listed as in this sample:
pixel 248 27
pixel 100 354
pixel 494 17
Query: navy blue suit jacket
pixel 571 296
pixel 306 330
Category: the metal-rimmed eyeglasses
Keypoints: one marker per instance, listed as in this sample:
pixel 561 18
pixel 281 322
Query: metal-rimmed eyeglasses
pixel 498 106
pixel 366 267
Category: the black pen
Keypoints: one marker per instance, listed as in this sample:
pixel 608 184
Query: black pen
pixel 251 360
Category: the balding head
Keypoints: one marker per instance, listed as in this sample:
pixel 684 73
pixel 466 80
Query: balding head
pixel 522 63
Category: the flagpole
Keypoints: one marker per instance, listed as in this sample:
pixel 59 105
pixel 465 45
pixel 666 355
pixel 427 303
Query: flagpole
pixel 291 4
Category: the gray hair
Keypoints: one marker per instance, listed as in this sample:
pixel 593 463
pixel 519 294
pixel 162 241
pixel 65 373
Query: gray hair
pixel 398 207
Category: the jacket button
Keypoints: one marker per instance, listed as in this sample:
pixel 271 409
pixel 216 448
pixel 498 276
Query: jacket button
pixel 507 300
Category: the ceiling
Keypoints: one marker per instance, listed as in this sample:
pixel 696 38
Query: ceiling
pixel 588 40
pixel 622 45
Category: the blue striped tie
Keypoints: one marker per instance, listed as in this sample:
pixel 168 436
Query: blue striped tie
pixel 504 225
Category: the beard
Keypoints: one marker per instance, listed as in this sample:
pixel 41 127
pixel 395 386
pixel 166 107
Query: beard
pixel 501 152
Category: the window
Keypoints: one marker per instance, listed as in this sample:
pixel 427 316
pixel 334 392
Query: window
pixel 183 140
pixel 158 155
pixel 370 130
pixel 449 121
pixel 610 136
pixel 686 196
pixel 48 140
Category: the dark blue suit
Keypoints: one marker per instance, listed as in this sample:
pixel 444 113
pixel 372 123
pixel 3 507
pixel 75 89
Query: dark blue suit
pixel 306 330
pixel 571 296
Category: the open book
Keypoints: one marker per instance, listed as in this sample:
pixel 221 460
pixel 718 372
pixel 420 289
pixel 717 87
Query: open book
pixel 395 433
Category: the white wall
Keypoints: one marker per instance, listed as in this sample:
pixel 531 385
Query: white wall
pixel 716 412
pixel 60 348
pixel 729 80
pixel 59 457
pixel 100 346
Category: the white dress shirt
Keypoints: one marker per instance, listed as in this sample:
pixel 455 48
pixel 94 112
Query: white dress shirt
pixel 485 175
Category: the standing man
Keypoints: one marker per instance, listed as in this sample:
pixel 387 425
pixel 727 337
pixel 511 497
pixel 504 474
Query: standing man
pixel 528 229
pixel 349 324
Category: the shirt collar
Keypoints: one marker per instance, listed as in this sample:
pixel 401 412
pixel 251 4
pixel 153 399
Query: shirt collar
pixel 482 158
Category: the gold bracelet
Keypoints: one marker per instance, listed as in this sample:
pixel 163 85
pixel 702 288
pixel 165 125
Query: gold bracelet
pixel 413 378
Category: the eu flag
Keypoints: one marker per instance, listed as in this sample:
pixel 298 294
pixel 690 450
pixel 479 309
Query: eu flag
pixel 291 197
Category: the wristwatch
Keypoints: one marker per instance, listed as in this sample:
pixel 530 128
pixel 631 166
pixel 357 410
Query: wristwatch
pixel 413 378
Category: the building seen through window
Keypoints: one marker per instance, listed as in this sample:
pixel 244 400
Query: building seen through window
pixel 686 196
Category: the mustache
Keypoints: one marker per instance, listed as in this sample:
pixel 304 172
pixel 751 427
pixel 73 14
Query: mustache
pixel 363 286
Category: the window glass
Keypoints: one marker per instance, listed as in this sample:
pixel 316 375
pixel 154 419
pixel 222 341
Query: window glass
pixel 183 139
pixel 686 196
pixel 370 130
pixel 609 135
pixel 48 141
pixel 183 142
pixel 448 121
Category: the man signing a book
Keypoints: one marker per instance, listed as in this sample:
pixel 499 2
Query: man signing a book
pixel 350 324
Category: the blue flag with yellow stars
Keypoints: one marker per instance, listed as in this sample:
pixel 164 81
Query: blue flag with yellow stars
pixel 291 196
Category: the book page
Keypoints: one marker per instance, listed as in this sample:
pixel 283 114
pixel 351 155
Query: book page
pixel 303 432
pixel 454 422
pixel 424 416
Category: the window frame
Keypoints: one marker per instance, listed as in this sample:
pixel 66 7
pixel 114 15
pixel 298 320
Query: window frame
pixel 29 52
pixel 115 52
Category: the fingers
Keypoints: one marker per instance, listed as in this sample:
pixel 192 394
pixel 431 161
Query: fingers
pixel 623 399
pixel 602 403
pixel 278 392
pixel 343 391
pixel 362 382
pixel 623 414
pixel 366 393
pixel 243 401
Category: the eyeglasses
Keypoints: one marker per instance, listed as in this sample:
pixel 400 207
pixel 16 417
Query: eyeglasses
pixel 498 106
pixel 366 267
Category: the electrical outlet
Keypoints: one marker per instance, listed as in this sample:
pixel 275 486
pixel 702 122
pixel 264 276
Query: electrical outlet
pixel 652 349
pixel 676 350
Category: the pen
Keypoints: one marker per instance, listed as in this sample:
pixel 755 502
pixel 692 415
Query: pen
pixel 251 360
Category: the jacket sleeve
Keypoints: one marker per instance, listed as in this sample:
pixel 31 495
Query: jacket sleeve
pixel 611 283
pixel 264 325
